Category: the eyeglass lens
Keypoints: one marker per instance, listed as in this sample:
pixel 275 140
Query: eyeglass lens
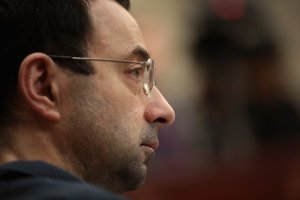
pixel 149 77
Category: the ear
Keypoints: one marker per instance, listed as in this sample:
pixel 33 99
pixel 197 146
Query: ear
pixel 37 85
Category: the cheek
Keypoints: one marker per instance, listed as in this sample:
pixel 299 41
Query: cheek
pixel 119 111
pixel 129 124
pixel 124 107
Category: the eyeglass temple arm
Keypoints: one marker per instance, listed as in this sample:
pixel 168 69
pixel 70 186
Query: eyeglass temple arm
pixel 95 59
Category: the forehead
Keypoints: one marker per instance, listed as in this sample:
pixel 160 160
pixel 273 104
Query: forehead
pixel 116 32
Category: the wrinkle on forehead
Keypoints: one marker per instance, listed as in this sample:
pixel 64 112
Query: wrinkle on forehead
pixel 113 27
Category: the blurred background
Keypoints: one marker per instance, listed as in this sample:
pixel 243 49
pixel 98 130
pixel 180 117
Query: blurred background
pixel 230 69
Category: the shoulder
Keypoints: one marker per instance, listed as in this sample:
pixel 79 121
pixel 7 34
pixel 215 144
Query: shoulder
pixel 42 188
pixel 73 191
pixel 35 180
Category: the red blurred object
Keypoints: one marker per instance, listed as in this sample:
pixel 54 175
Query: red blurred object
pixel 274 175
pixel 228 9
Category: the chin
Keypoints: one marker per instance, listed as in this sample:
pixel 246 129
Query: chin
pixel 135 187
pixel 137 179
pixel 129 186
pixel 125 179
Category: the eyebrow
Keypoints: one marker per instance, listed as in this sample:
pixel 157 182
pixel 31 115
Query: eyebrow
pixel 140 53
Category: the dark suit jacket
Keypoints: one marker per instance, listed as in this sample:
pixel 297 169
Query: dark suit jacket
pixel 36 180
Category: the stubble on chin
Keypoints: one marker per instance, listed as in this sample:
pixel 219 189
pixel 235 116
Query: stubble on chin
pixel 133 171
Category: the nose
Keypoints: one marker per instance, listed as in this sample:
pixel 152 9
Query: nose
pixel 159 110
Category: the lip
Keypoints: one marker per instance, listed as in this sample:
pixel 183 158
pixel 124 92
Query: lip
pixel 152 145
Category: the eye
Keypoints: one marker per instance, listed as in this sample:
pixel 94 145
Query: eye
pixel 137 73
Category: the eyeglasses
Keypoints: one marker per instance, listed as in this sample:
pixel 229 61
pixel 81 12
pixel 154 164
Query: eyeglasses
pixel 148 73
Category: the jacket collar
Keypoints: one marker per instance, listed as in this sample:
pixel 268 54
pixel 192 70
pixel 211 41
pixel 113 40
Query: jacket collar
pixel 36 169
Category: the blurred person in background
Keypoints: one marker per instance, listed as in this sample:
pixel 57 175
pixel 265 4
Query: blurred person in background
pixel 273 118
pixel 251 125
pixel 78 100
pixel 245 106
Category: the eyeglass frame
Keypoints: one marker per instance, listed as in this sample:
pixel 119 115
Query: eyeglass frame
pixel 149 81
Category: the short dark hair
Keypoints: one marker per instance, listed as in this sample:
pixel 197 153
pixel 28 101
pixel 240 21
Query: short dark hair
pixel 57 27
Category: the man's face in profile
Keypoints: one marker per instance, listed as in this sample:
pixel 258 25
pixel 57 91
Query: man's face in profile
pixel 111 126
